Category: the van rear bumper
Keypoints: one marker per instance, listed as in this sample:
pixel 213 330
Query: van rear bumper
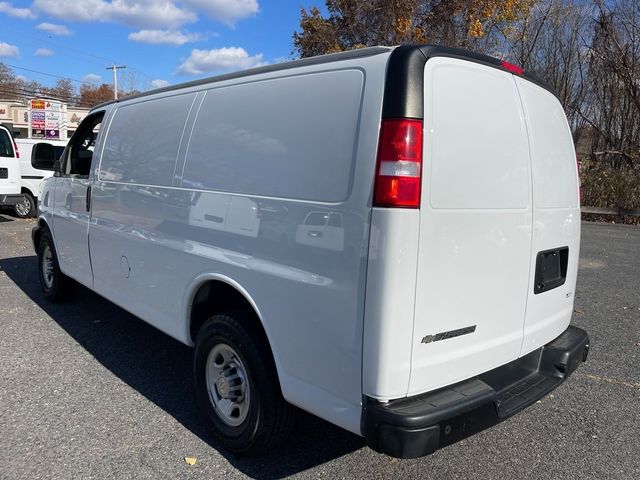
pixel 417 426
pixel 10 200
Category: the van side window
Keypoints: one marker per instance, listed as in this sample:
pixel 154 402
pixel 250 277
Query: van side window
pixel 81 145
pixel 316 219
pixel 6 145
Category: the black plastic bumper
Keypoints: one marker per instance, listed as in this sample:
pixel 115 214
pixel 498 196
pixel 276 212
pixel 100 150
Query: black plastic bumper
pixel 417 426
pixel 11 200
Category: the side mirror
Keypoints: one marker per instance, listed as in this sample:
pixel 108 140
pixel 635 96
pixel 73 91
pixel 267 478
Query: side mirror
pixel 43 156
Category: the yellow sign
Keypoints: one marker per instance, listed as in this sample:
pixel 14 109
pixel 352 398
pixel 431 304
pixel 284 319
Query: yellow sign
pixel 37 104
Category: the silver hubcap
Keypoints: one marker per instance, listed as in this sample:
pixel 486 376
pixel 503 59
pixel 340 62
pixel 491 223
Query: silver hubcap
pixel 47 267
pixel 23 207
pixel 227 385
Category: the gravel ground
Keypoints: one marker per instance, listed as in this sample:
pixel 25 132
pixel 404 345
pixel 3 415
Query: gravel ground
pixel 88 391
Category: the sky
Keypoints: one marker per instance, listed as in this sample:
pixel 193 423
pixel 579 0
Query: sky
pixel 161 42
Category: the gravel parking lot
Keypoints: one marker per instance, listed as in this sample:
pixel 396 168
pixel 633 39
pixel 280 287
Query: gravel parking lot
pixel 89 391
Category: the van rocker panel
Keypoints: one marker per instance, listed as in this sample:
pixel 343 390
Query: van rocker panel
pixel 417 426
pixel 10 200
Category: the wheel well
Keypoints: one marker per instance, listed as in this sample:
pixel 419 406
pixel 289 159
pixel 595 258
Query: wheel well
pixel 37 235
pixel 215 297
pixel 26 190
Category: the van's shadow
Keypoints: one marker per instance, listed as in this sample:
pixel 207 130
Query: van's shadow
pixel 160 369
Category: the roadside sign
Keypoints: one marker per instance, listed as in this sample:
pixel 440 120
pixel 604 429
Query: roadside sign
pixel 47 119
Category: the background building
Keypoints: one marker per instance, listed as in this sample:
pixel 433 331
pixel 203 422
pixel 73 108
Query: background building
pixel 15 115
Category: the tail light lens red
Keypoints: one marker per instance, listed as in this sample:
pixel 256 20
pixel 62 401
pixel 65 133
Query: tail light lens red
pixel 512 68
pixel 15 147
pixel 399 169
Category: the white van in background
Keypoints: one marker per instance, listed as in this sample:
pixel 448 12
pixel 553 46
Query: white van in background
pixel 9 170
pixel 238 215
pixel 387 238
pixel 31 178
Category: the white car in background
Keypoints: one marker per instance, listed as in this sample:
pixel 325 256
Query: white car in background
pixel 31 178
pixel 9 170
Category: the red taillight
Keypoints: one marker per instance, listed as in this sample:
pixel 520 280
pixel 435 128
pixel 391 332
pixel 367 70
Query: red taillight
pixel 15 147
pixel 398 177
pixel 512 68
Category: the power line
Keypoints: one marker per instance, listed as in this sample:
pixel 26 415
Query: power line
pixel 48 38
pixel 41 39
pixel 52 75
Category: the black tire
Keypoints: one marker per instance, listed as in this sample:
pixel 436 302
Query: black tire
pixel 27 209
pixel 55 285
pixel 269 418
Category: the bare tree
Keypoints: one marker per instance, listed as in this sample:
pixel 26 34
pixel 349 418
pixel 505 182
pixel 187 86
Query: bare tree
pixel 613 109
pixel 553 42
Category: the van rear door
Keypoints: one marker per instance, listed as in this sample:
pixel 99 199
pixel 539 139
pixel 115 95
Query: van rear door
pixel 475 225
pixel 556 217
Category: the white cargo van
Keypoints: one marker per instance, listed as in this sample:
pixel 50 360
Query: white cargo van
pixel 31 178
pixel 387 238
pixel 9 170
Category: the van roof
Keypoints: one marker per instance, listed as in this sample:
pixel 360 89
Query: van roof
pixel 408 58
pixel 301 62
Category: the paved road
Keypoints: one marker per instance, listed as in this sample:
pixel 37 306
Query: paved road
pixel 88 391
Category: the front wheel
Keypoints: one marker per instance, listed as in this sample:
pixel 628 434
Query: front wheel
pixel 237 386
pixel 26 208
pixel 56 286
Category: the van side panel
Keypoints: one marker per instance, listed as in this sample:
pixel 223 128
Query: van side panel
pixel 149 156
pixel 252 139
pixel 475 227
pixel 273 197
pixel 128 232
pixel 556 211
pixel 389 307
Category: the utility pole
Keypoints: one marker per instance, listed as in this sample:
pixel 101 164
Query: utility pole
pixel 115 78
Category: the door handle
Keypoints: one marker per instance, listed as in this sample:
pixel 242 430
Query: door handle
pixel 88 199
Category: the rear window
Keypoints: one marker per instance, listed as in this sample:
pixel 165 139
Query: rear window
pixel 6 144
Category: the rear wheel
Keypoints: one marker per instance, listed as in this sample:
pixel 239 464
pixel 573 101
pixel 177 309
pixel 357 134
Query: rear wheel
pixel 237 386
pixel 26 208
pixel 55 285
